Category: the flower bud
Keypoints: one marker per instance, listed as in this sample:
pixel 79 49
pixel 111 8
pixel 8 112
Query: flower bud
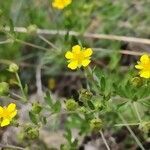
pixel 96 124
pixel 4 88
pixel 31 133
pixel 85 95
pixel 13 68
pixel 136 81
pixel 32 29
pixel 71 105
pixel 145 127
pixel 36 108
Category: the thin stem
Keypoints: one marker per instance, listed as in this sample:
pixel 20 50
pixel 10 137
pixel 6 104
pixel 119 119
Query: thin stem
pixel 21 87
pixel 129 124
pixel 86 34
pixel 132 133
pixel 48 42
pixel 104 140
pixel 136 110
pixel 30 44
pixel 11 146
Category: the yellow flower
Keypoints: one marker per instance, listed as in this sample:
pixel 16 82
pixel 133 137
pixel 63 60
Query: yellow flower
pixel 60 4
pixel 144 66
pixel 7 114
pixel 78 57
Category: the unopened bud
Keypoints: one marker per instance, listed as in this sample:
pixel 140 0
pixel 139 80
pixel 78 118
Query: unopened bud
pixel 13 68
pixel 4 88
pixel 71 105
pixel 85 95
pixel 145 127
pixel 32 29
pixel 96 124
pixel 36 108
pixel 137 81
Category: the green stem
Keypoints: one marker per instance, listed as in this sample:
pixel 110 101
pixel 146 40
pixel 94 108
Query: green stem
pixel 21 88
pixel 132 133
pixel 136 110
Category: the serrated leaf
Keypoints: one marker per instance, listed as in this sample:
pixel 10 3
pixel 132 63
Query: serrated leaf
pixel 91 105
pixel 103 84
pixel 48 99
pixel 57 106
pixel 32 117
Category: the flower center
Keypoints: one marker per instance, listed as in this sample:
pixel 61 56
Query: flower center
pixel 79 57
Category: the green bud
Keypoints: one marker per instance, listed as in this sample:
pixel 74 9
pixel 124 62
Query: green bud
pixel 137 81
pixel 31 133
pixel 4 88
pixel 32 29
pixel 145 126
pixel 96 124
pixel 36 108
pixel 85 95
pixel 71 105
pixel 13 68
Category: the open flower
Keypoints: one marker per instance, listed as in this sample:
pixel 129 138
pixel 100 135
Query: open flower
pixel 7 114
pixel 78 57
pixel 61 4
pixel 144 66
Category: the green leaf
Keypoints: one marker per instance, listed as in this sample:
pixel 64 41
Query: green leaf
pixel 103 84
pixel 48 99
pixel 91 105
pixel 68 135
pixel 26 90
pixel 44 120
pixel 32 117
pixel 57 106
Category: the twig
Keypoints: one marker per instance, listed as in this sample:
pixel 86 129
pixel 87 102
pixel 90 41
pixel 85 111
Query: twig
pixel 130 124
pixel 132 133
pixel 39 82
pixel 127 52
pixel 11 146
pixel 87 35
pixel 104 140
pixel 136 110
pixel 30 44
pixel 48 42
pixel 6 41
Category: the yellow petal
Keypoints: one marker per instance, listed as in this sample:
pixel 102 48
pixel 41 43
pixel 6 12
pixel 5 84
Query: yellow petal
pixel 5 122
pixel 76 49
pixel 139 66
pixel 88 52
pixel 145 74
pixel 1 109
pixel 11 107
pixel 73 65
pixel 85 62
pixel 69 55
pixel 145 58
pixel 13 114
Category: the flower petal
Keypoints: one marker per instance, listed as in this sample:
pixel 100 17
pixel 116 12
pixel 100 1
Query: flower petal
pixel 145 74
pixel 85 62
pixel 5 122
pixel 13 114
pixel 76 49
pixel 73 65
pixel 11 107
pixel 145 58
pixel 1 109
pixel 138 66
pixel 88 52
pixel 69 55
